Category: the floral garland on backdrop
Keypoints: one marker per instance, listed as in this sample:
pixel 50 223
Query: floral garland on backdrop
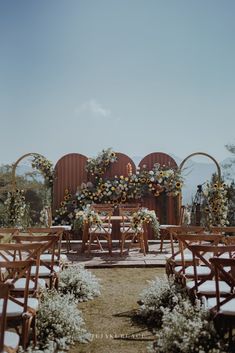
pixel 98 165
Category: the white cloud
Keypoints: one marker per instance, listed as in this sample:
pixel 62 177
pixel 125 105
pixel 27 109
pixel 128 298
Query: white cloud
pixel 93 107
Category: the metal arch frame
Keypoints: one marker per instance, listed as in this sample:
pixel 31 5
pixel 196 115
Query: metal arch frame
pixel 202 154
pixel 16 164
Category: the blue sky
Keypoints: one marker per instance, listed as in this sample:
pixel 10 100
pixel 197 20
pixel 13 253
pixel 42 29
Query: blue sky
pixel 140 76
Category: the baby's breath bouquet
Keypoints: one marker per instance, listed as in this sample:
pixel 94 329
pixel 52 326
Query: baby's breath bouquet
pixel 145 216
pixel 187 329
pixel 79 282
pixel 59 320
pixel 160 293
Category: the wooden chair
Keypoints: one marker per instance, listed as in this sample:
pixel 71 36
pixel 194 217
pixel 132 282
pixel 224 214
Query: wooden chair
pixel 9 341
pixel 224 310
pixel 10 252
pixel 20 308
pixel 183 269
pixel 58 231
pixel 127 231
pixel 96 232
pixel 206 286
pixel 48 269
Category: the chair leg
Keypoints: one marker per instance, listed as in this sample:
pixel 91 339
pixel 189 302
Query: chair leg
pixel 110 245
pixel 122 244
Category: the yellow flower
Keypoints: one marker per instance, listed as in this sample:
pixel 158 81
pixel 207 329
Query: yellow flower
pixel 66 191
pixel 178 185
pixel 62 203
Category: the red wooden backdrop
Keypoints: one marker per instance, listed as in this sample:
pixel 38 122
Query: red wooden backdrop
pixel 70 173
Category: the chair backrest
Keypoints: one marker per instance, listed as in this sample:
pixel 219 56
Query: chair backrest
pixel 10 252
pixel 221 266
pixel 16 270
pixel 105 214
pixel 204 252
pixel 49 243
pixel 4 294
pixel 185 240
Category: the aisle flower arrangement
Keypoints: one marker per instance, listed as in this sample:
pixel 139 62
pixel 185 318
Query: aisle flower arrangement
pixel 59 321
pixel 180 326
pixel 79 282
pixel 145 216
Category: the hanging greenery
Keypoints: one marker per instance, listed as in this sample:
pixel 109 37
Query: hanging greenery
pixel 17 210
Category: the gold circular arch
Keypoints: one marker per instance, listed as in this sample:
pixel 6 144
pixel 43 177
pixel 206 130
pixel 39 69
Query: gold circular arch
pixel 206 155
pixel 16 164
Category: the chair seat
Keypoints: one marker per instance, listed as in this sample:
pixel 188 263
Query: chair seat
pixel 11 340
pixel 228 308
pixel 208 287
pixel 189 271
pixel 19 285
pixel 48 257
pixel 210 303
pixel 129 230
pixel 44 271
pixel 178 258
pixel 14 309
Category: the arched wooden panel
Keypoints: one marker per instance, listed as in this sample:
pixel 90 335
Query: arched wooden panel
pixel 165 206
pixel 70 173
pixel 120 166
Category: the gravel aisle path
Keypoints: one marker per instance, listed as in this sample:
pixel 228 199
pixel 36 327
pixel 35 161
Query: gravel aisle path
pixel 107 316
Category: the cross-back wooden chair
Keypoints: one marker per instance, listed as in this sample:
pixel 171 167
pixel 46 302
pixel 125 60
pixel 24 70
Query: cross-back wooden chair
pixel 224 310
pixel 16 251
pixel 58 231
pixel 48 269
pixel 175 257
pixel 24 308
pixel 9 341
pixel 206 286
pixel 128 232
pixel 184 269
pixel 96 232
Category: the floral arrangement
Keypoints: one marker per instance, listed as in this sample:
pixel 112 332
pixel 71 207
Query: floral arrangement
pixel 180 325
pixel 98 165
pixel 187 329
pixel 87 215
pixel 161 293
pixel 66 213
pixel 59 320
pixel 45 167
pixel 79 282
pixel 17 210
pixel 145 216
pixel 215 205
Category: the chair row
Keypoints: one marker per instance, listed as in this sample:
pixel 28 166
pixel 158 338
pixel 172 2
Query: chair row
pixel 29 264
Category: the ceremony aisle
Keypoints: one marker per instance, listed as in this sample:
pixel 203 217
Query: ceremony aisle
pixel 108 317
